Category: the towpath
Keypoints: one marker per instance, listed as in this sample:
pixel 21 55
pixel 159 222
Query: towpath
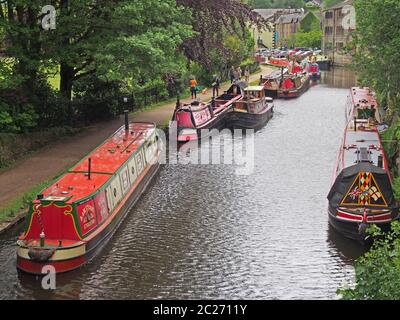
pixel 48 162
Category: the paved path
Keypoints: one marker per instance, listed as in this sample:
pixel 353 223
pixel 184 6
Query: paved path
pixel 48 162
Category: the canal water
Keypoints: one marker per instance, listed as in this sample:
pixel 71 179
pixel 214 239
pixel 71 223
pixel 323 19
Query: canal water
pixel 204 232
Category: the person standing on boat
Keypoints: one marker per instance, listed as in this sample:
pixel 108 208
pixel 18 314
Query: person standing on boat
pixel 305 64
pixel 215 85
pixel 239 73
pixel 193 87
pixel 247 74
pixel 232 74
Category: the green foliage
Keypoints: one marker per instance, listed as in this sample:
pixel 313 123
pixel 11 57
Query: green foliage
pixel 310 34
pixel 97 53
pixel 378 271
pixel 310 22
pixel 329 3
pixel 377 39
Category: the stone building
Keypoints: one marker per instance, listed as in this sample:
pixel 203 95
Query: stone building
pixel 338 23
pixel 281 24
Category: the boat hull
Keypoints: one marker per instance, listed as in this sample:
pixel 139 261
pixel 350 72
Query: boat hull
pixel 74 258
pixel 315 76
pixel 271 93
pixel 218 123
pixel 324 65
pixel 245 120
pixel 351 230
pixel 295 93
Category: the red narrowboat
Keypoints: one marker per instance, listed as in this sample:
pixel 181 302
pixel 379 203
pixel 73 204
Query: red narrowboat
pixel 196 116
pixel 272 82
pixel 361 192
pixel 362 104
pixel 289 82
pixel 293 85
pixel 315 73
pixel 72 219
pixel 278 62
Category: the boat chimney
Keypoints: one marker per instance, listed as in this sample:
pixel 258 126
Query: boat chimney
pixel 89 167
pixel 42 237
pixel 380 161
pixel 126 112
pixel 355 124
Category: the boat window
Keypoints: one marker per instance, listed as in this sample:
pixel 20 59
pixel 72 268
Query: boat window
pixel 115 192
pixel 133 170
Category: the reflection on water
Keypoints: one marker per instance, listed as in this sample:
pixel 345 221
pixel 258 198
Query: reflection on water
pixel 205 232
pixel 339 78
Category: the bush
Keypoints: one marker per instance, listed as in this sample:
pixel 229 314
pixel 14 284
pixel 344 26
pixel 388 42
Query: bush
pixel 378 271
pixel 253 65
pixel 96 99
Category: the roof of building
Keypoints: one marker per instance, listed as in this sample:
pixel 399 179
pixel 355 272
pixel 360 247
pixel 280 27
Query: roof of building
pixel 268 14
pixel 340 5
pixel 290 18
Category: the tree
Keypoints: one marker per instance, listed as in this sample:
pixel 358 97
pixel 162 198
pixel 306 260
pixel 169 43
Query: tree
pixel 212 21
pixel 108 40
pixel 119 39
pixel 377 40
pixel 310 33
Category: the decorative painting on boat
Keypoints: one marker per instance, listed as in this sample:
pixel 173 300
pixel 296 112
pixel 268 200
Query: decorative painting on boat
pixel 364 191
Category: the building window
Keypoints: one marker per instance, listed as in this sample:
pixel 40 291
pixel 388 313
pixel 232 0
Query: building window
pixel 328 46
pixel 329 15
pixel 328 30
pixel 339 46
pixel 339 31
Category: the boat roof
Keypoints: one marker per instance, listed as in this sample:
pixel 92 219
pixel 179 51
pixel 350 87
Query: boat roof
pixel 361 145
pixel 105 161
pixel 363 97
pixel 254 88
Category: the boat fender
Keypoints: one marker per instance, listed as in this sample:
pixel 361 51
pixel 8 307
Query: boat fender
pixel 40 255
pixel 362 228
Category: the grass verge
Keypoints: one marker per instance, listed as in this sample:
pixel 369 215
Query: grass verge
pixel 19 204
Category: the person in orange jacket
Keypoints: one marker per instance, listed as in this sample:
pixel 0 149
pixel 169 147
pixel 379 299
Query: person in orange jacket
pixel 193 87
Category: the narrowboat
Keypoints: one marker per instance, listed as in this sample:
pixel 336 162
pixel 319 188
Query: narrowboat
pixel 324 62
pixel 361 192
pixel 252 111
pixel 272 82
pixel 196 116
pixel 314 71
pixel 71 220
pixel 362 104
pixel 278 62
pixel 294 85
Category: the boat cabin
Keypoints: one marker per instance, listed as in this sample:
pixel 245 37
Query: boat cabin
pixel 253 101
pixel 234 93
pixel 193 115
